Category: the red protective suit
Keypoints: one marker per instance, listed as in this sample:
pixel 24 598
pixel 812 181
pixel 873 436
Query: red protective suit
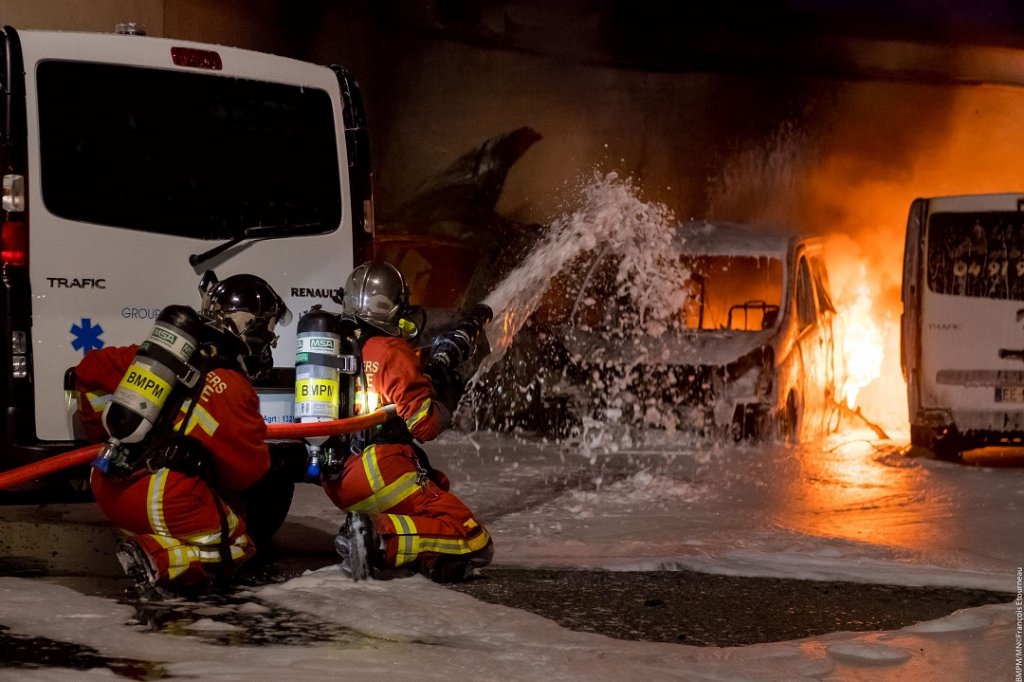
pixel 419 520
pixel 177 519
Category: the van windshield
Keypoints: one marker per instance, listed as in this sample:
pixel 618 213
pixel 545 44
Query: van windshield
pixel 189 154
pixel 977 254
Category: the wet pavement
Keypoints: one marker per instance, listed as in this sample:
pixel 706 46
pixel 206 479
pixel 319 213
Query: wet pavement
pixel 70 544
pixel 699 609
pixel 38 652
pixel 680 606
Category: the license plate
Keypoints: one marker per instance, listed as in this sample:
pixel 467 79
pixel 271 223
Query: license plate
pixel 1010 394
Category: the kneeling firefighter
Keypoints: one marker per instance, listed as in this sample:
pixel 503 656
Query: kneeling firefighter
pixel 401 516
pixel 185 436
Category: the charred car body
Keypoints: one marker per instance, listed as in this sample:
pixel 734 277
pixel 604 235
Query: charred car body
pixel 740 347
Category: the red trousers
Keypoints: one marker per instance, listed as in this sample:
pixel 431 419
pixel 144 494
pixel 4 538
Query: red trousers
pixel 177 520
pixel 417 517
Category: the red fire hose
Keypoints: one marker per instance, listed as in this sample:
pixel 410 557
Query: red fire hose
pixel 66 460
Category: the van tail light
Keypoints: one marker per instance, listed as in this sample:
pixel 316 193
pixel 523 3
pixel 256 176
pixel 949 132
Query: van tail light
pixel 13 244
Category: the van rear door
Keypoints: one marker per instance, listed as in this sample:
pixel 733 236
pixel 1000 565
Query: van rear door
pixel 145 151
pixel 972 312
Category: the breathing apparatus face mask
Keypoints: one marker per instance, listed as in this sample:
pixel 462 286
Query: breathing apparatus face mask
pixel 258 338
pixel 412 321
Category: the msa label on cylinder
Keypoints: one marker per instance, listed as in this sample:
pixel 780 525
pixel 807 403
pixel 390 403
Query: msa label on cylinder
pixel 173 340
pixel 328 345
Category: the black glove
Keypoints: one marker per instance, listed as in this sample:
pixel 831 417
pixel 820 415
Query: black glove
pixel 451 348
pixel 466 340
pixel 448 385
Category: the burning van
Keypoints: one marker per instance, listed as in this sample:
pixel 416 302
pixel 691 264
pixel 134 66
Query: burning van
pixel 730 337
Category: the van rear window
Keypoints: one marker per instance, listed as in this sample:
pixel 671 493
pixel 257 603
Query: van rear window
pixel 183 153
pixel 977 254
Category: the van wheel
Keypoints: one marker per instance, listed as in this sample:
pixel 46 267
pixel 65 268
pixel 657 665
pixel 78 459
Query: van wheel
pixel 266 502
pixel 266 507
pixel 921 436
pixel 949 449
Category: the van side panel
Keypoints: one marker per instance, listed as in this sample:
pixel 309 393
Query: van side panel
pixel 357 145
pixel 910 319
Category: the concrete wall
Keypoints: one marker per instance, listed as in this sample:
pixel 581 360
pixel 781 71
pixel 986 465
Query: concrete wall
pixel 826 155
pixel 429 101
pixel 83 15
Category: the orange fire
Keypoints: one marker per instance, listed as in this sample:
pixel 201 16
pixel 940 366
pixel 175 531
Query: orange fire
pixel 861 343
pixel 869 378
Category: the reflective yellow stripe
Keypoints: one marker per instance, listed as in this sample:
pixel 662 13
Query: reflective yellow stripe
pixel 97 400
pixel 371 469
pixel 154 502
pixel 200 417
pixel 420 414
pixel 179 556
pixel 411 544
pixel 208 556
pixel 203 548
pixel 366 402
pixel 179 559
pixel 454 546
pixel 408 540
pixel 212 556
pixel 478 541
pixel 166 541
pixel 388 497
pixel 240 545
pixel 206 539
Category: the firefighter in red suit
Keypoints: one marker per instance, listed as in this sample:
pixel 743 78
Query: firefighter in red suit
pixel 401 517
pixel 179 502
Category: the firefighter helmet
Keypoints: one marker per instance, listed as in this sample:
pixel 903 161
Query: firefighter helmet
pixel 249 309
pixel 376 293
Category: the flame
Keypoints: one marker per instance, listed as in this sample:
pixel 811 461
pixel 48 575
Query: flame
pixel 862 343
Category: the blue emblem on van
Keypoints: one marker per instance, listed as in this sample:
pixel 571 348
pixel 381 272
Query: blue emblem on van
pixel 86 336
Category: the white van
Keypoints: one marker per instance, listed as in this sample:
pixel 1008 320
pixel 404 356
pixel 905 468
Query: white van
pixel 133 164
pixel 963 322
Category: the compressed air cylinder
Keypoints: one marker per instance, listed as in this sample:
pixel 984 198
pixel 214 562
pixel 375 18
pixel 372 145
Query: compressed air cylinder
pixel 317 374
pixel 161 360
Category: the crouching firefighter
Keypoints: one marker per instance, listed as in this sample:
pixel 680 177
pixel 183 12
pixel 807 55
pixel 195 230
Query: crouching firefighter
pixel 401 517
pixel 184 435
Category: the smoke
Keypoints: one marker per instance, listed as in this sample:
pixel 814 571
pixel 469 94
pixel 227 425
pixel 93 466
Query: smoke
pixel 847 166
pixel 849 169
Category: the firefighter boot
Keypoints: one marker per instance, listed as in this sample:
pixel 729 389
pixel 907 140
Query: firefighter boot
pixel 140 569
pixel 359 546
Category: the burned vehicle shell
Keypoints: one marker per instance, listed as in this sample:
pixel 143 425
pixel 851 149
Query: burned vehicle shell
pixel 745 352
